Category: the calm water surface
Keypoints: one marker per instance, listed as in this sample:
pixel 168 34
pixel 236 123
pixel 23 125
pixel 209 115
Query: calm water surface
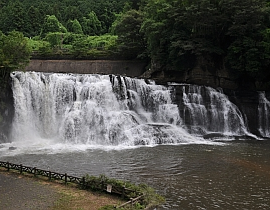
pixel 233 175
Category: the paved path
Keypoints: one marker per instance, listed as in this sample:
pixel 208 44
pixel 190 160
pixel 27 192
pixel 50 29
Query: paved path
pixel 22 193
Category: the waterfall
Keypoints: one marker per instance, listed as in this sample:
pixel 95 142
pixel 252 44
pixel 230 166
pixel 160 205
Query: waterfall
pixel 115 110
pixel 263 115
pixel 206 110
pixel 94 109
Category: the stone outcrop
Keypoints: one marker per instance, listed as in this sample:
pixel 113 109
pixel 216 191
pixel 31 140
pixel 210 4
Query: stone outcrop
pixel 243 92
pixel 204 72
pixel 6 113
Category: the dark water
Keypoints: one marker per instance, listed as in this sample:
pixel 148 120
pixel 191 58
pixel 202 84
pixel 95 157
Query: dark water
pixel 233 175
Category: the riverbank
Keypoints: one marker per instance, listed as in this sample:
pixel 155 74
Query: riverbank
pixel 26 192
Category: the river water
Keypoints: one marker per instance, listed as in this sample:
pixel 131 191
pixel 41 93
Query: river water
pixel 218 175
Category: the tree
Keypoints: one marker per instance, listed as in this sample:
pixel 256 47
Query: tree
pixel 130 38
pixel 91 25
pixel 74 26
pixel 247 52
pixel 72 13
pixel 13 17
pixel 55 39
pixel 197 33
pixel 34 21
pixel 157 29
pixel 14 52
pixel 51 24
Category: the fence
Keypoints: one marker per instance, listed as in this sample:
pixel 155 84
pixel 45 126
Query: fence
pixel 122 191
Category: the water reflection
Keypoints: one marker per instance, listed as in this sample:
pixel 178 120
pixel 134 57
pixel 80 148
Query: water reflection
pixel 235 175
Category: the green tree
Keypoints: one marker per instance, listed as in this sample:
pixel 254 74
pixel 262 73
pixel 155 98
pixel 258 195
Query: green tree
pixel 51 24
pixel 72 13
pixel 34 21
pixel 197 32
pixel 80 47
pixel 247 52
pixel 14 54
pixel 55 39
pixel 157 29
pixel 13 17
pixel 91 25
pixel 130 38
pixel 74 26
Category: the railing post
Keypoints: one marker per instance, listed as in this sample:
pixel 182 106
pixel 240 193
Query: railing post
pixel 34 171
pixel 83 183
pixel 65 178
pixel 131 199
pixel 8 166
pixel 21 168
pixel 50 175
pixel 123 192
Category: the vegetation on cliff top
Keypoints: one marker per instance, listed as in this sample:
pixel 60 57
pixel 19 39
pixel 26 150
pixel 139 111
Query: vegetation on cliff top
pixel 175 34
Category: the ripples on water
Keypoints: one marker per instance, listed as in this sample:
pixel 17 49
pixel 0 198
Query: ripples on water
pixel 234 175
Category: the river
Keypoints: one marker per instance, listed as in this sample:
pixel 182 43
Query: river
pixel 222 175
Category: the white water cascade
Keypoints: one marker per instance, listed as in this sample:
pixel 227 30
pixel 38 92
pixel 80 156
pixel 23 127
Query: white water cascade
pixel 263 115
pixel 207 110
pixel 94 110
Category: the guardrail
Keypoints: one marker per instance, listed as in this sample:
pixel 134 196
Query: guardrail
pixel 122 191
pixel 36 171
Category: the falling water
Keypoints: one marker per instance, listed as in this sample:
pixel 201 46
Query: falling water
pixel 114 110
pixel 263 115
pixel 206 110
pixel 94 109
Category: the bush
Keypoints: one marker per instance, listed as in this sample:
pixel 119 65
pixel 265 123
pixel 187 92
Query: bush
pixel 149 196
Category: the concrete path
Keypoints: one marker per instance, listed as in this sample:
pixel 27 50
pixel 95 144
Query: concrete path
pixel 21 193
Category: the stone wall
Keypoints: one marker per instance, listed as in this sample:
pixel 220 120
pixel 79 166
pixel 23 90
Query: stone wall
pixel 129 68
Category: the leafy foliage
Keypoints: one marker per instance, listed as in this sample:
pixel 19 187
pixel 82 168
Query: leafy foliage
pixel 28 16
pixel 91 24
pixel 149 195
pixel 51 25
pixel 130 38
pixel 74 26
pixel 177 34
pixel 14 51
pixel 228 33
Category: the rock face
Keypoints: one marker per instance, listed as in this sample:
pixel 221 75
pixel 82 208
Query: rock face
pixel 248 103
pixel 242 91
pixel 6 113
pixel 204 73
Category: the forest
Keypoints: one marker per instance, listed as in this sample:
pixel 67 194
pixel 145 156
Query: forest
pixel 176 34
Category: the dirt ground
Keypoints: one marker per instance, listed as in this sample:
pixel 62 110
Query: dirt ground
pixel 24 192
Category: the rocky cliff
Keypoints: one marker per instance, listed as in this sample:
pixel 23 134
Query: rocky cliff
pixel 6 112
